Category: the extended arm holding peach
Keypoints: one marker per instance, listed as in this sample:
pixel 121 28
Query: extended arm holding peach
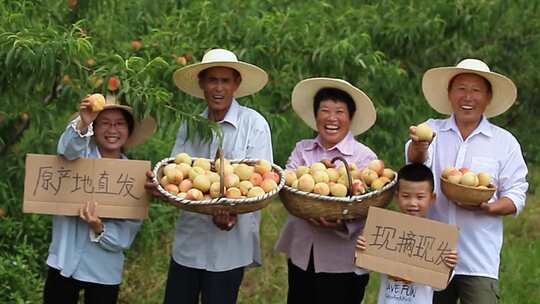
pixel 418 149
pixel 86 114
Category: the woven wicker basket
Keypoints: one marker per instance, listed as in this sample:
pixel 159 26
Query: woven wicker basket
pixel 308 205
pixel 242 205
pixel 466 194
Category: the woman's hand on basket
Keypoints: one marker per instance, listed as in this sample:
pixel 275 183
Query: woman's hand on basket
pixel 323 223
pixel 224 220
pixel 151 187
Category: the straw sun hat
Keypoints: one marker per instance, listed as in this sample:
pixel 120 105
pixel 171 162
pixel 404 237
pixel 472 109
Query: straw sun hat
pixel 253 77
pixel 142 130
pixel 436 80
pixel 303 97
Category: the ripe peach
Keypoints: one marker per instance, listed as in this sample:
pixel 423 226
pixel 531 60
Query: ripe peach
pixel 172 189
pixel 231 180
pixel 338 190
pixel 214 190
pixel 181 195
pixel 306 183
pixel 136 44
pixel 356 174
pixel 203 163
pixel 301 170
pixel 255 191
pixel 95 81
pixel 244 171
pixel 174 176
pixel 217 164
pixel 376 165
pixel 182 158
pixel 184 168
pixel 233 192
pixel 271 175
pixel 268 185
pixel 333 174
pixel 113 84
pixel 90 62
pixel 194 194
pixel 290 177
pixel 317 167
pixel 454 176
pixel 193 172
pixel 389 173
pixel 444 174
pixel 244 187
pixel 358 187
pixel 163 181
pixel 262 166
pixel 484 179
pixel 464 170
pixel 424 132
pixel 368 176
pixel 469 179
pixel 320 176
pixel 168 168
pixel 256 179
pixel 342 170
pixel 202 182
pixel 97 102
pixel 378 183
pixel 213 176
pixel 344 180
pixel 321 188
pixel 181 60
pixel 295 184
pixel 185 185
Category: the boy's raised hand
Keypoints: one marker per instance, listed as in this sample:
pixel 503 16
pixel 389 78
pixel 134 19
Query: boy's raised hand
pixel 361 243
pixel 450 258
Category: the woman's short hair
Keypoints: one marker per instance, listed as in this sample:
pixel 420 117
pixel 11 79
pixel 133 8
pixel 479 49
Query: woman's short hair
pixel 336 95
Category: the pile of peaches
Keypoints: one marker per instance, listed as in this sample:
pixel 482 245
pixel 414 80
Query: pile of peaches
pixel 466 177
pixel 198 179
pixel 323 180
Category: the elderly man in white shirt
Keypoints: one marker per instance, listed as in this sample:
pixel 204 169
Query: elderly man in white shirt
pixel 470 93
pixel 210 252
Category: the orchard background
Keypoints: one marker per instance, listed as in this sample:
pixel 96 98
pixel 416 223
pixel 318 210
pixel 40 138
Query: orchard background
pixel 54 52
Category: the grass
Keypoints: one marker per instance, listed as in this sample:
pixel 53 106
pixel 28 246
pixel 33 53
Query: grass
pixel 146 268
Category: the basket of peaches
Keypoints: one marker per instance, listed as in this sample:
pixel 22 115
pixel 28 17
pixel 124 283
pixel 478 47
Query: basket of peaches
pixel 204 186
pixel 337 193
pixel 464 186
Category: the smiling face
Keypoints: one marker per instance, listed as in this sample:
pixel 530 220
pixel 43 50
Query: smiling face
pixel 219 85
pixel 333 122
pixel 414 197
pixel 111 132
pixel 469 95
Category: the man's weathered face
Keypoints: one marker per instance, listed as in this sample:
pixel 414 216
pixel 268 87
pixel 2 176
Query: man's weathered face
pixel 469 95
pixel 219 85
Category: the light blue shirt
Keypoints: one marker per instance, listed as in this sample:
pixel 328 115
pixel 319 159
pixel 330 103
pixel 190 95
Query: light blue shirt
pixel 198 243
pixel 72 250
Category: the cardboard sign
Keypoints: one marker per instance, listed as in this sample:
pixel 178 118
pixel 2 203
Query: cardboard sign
pixel 407 247
pixel 54 185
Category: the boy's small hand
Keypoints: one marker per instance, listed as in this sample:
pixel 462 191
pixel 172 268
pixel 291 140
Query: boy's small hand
pixel 450 258
pixel 361 243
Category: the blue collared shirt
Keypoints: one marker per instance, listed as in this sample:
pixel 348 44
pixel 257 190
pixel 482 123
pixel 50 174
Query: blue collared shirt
pixel 198 243
pixel 72 251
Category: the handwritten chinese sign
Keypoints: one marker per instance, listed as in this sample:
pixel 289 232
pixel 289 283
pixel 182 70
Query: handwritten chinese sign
pixel 407 246
pixel 54 185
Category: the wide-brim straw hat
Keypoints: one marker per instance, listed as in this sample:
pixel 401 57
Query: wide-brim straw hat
pixel 435 87
pixel 253 77
pixel 142 129
pixel 303 97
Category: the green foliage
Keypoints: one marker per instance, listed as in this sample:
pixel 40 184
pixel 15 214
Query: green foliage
pixel 51 56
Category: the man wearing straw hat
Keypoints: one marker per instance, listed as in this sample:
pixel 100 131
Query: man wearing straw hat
pixel 210 252
pixel 470 93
